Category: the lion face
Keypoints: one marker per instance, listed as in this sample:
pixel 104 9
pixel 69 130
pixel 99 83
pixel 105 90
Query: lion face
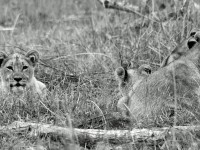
pixel 17 71
pixel 128 80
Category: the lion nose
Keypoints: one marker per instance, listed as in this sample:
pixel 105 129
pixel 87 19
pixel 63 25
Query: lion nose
pixel 17 79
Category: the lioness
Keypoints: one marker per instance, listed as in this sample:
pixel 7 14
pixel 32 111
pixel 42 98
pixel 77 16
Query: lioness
pixel 179 77
pixel 17 73
pixel 128 80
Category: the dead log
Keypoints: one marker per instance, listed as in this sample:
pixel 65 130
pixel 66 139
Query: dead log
pixel 135 136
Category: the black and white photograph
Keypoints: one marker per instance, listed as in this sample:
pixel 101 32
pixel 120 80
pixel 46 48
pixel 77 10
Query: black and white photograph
pixel 99 74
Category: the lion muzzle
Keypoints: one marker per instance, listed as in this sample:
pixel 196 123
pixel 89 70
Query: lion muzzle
pixel 18 82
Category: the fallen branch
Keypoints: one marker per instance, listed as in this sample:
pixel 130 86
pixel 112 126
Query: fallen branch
pixel 150 136
pixel 120 6
pixel 144 20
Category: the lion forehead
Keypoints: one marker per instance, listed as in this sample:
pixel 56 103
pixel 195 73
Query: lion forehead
pixel 17 60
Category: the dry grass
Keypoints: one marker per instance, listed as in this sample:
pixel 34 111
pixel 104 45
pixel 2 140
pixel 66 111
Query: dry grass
pixel 80 45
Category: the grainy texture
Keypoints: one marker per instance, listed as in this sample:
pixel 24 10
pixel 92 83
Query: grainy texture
pixel 81 44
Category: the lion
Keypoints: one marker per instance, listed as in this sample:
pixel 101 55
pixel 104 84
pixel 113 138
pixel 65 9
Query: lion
pixel 178 79
pixel 17 73
pixel 128 79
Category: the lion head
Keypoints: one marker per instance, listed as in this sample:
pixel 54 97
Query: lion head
pixel 17 71
pixel 127 78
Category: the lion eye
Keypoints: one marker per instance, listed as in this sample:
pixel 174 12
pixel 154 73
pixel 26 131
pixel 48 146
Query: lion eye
pixel 24 67
pixel 10 67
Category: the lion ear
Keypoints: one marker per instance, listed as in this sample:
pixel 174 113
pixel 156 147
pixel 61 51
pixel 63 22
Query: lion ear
pixel 191 43
pixel 33 56
pixel 3 56
pixel 120 73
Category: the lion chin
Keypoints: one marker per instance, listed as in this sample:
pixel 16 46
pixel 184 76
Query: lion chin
pixel 17 90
